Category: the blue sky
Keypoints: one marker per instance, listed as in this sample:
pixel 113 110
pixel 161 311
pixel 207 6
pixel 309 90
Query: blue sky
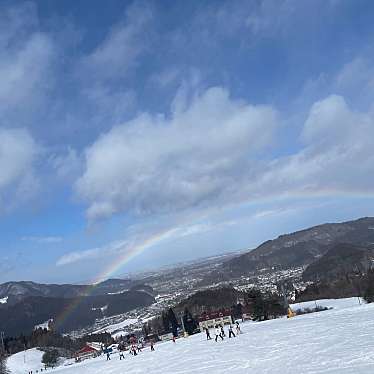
pixel 144 133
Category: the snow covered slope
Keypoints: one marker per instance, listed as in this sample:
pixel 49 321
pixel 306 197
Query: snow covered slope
pixel 335 341
pixel 23 362
pixel 330 303
pixel 117 326
pixel 30 360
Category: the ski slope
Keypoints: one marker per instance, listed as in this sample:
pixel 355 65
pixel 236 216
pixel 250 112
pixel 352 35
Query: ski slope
pixel 340 340
pixel 23 362
pixel 330 303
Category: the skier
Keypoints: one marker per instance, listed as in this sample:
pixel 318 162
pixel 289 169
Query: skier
pixel 139 347
pixel 208 337
pixel 218 333
pixel 152 346
pixel 174 340
pixel 222 331
pixel 134 350
pixel 237 328
pixel 121 355
pixel 231 333
pixel 108 356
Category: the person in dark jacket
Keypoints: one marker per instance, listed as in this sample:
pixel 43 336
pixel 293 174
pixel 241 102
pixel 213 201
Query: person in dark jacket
pixel 231 332
pixel 218 333
pixel 222 331
pixel 208 337
pixel 238 331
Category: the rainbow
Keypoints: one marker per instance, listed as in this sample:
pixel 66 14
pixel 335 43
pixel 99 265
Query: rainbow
pixel 126 256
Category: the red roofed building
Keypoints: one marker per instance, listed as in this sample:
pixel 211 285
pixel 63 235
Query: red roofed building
pixel 86 352
pixel 211 319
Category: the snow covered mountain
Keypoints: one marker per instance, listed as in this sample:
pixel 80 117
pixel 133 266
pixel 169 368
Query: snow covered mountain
pixel 16 291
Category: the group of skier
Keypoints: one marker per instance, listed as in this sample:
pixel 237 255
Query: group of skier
pixel 134 348
pixel 220 331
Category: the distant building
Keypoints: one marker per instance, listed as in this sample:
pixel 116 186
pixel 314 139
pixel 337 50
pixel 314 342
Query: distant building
pixel 210 320
pixel 165 337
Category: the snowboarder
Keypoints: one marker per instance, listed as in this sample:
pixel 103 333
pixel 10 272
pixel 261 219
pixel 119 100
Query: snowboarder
pixel 231 333
pixel 218 333
pixel 208 337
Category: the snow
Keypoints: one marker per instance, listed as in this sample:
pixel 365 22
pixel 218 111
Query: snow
pixel 31 359
pixel 336 341
pixel 4 300
pixel 23 362
pixel 44 325
pixel 118 326
pixel 329 303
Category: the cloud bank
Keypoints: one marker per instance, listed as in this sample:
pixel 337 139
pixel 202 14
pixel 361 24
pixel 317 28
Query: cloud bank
pixel 157 164
pixel 212 151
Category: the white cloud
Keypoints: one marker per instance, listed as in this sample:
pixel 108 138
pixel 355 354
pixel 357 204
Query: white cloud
pixel 139 241
pixel 166 77
pixel 211 152
pixel 77 256
pixel 338 156
pixel 357 74
pixel 43 239
pixel 18 153
pixel 115 248
pixel 158 164
pixel 67 165
pixel 26 60
pixel 121 48
pixel 329 121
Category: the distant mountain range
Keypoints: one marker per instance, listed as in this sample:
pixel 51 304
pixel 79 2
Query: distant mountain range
pixel 26 304
pixel 302 248
pixel 68 313
pixel 16 291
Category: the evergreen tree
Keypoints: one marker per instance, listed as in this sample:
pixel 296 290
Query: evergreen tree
pixel 165 322
pixel 189 322
pixel 173 321
pixel 50 357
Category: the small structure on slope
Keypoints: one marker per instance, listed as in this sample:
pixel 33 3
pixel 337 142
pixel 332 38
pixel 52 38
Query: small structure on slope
pixel 210 320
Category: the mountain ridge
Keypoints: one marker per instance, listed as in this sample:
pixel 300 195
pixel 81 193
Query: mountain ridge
pixel 301 248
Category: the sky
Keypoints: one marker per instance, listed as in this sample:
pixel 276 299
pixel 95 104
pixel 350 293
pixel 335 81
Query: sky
pixel 138 134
